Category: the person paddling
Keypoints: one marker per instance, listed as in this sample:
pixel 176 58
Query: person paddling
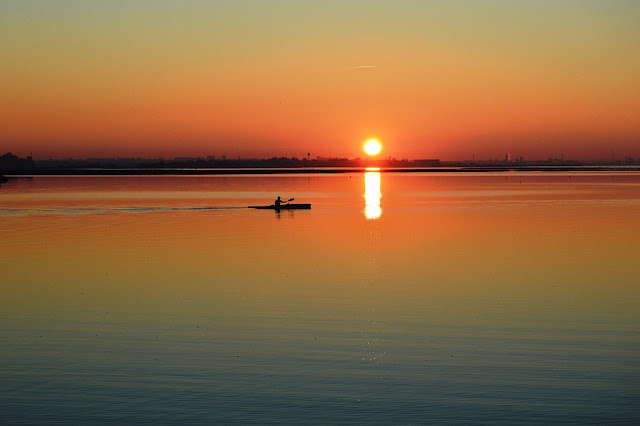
pixel 281 203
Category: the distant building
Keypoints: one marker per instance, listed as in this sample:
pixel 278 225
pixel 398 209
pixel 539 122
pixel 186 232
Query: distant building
pixel 427 162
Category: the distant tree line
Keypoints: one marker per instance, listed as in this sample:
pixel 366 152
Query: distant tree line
pixel 215 163
pixel 9 162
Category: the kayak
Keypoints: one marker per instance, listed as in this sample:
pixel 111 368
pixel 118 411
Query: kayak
pixel 283 207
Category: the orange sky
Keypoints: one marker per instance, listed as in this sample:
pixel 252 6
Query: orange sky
pixel 428 78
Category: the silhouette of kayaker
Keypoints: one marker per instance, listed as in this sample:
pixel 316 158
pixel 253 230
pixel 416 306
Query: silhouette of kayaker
pixel 277 202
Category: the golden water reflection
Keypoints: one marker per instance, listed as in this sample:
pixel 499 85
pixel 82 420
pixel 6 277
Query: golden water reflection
pixel 372 194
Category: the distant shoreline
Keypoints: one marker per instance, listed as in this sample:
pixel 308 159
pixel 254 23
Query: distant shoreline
pixel 12 165
pixel 316 170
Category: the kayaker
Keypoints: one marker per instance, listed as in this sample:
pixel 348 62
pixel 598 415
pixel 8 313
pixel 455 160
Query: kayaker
pixel 278 201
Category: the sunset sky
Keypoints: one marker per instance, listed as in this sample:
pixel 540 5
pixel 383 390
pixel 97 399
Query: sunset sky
pixel 429 79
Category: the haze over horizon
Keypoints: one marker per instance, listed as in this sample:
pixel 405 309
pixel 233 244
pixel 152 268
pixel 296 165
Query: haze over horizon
pixel 430 79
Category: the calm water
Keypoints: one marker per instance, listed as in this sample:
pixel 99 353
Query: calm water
pixel 399 298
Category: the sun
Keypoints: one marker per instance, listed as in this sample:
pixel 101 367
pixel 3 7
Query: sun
pixel 372 147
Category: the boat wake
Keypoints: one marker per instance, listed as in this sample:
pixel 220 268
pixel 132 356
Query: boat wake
pixel 80 211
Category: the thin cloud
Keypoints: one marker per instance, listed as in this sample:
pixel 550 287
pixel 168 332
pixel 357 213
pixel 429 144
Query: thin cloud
pixel 363 66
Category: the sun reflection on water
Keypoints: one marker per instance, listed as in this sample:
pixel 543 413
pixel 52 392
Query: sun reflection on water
pixel 372 194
